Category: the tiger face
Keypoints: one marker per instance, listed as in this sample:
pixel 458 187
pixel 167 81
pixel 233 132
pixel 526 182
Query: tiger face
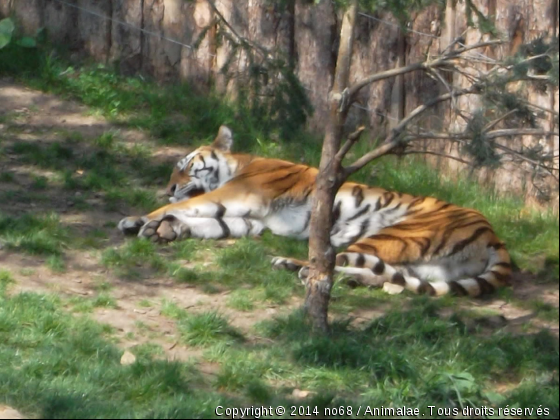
pixel 203 170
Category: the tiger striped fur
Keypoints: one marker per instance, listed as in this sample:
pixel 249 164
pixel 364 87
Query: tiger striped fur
pixel 420 243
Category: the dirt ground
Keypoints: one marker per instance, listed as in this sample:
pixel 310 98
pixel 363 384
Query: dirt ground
pixel 39 117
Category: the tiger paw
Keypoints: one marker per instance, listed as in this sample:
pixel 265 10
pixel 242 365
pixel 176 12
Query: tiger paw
pixel 303 274
pixel 286 263
pixel 131 225
pixel 166 230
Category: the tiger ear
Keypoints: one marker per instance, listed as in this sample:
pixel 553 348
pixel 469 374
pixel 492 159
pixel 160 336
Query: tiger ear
pixel 224 139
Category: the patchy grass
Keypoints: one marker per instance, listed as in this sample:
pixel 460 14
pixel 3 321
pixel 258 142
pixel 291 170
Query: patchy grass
pixel 67 367
pixel 56 263
pixel 131 260
pixel 56 362
pixel 35 235
pixel 207 328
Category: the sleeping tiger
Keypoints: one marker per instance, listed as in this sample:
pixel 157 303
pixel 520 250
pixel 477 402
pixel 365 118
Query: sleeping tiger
pixel 421 244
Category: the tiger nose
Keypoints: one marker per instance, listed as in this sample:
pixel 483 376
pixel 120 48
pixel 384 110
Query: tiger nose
pixel 171 190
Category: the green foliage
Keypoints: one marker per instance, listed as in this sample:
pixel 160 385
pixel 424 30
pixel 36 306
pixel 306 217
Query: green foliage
pixel 268 89
pixel 18 52
pixel 6 29
pixel 481 148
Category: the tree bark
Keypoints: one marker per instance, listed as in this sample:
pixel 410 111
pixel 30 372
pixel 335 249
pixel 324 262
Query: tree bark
pixel 321 253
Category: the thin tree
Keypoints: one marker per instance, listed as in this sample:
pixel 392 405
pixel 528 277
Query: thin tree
pixel 537 63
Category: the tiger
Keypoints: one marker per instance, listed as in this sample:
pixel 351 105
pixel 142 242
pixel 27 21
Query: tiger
pixel 421 244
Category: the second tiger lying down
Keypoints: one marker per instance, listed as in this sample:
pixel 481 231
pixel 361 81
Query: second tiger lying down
pixel 421 243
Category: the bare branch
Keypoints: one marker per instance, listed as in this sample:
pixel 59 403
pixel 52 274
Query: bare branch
pixel 490 135
pixel 394 140
pixel 429 152
pixel 493 124
pixel 519 132
pixel 352 139
pixel 443 61
pixel 254 45
pixel 548 110
pixel 461 137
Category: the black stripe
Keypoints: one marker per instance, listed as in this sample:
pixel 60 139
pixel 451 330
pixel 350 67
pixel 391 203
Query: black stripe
pixel 502 278
pixel 417 201
pixel 336 212
pixel 447 233
pixel 363 228
pixel 283 178
pixel 457 289
pixel 379 268
pixel 360 260
pixel 307 220
pixel 342 260
pixel 484 285
pixel 503 264
pixel 426 288
pixel 225 228
pixel 358 195
pixel 220 211
pixel 360 213
pixel 214 155
pixel 459 246
pixel 423 243
pixel 248 225
pixel 389 197
pixel 398 278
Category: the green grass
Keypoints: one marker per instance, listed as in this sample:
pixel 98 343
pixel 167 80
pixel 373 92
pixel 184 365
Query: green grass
pixel 207 328
pixel 35 235
pixel 131 260
pixel 6 279
pixel 241 300
pixel 56 362
pixel 65 366
pixel 56 263
pixel 7 177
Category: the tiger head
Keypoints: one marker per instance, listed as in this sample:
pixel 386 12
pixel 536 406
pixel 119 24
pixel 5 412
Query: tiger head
pixel 203 170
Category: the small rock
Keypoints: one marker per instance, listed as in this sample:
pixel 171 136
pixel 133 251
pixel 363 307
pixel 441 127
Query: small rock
pixel 128 358
pixel 300 395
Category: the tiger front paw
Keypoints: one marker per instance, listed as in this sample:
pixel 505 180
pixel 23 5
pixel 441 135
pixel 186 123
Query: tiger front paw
pixel 165 230
pixel 131 225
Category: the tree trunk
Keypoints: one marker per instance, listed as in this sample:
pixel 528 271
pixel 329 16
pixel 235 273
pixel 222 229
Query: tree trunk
pixel 321 253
